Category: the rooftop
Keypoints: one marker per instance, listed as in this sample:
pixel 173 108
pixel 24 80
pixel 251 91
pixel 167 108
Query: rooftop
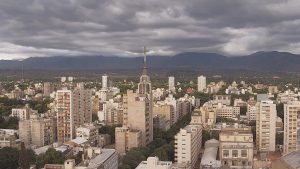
pixel 101 158
pixel 292 159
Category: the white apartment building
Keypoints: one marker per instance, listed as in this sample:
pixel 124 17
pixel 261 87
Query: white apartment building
pixel 188 143
pixel 104 81
pixel 236 147
pixel 291 127
pixel 22 113
pixel 201 83
pixel 266 125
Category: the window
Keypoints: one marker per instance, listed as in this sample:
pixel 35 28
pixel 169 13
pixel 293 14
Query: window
pixel 244 153
pixel 234 153
pixel 226 153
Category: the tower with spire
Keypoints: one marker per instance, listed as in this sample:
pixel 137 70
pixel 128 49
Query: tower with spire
pixel 144 86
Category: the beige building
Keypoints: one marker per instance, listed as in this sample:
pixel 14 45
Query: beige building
pixel 203 117
pixel 291 127
pixel 37 131
pixel 236 147
pixel 227 111
pixel 138 115
pixel 89 132
pixel 165 110
pixel 73 109
pixel 126 139
pixel 48 89
pixel 266 126
pixel 188 145
pixel 223 99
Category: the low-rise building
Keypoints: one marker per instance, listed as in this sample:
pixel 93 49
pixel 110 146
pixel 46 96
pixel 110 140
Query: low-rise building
pixel 8 138
pixel 127 138
pixel 89 132
pixel 209 157
pixel 154 163
pixel 223 99
pixel 288 161
pixel 236 147
pixel 93 158
pixel 227 111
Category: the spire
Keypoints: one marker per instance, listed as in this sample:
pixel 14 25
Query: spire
pixel 145 62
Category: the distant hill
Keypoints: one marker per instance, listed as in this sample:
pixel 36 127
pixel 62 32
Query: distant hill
pixel 261 61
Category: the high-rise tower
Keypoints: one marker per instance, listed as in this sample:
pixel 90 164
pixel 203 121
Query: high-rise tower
pixel 144 86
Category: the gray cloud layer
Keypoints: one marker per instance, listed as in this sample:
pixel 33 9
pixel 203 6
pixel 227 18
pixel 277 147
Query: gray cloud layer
pixel 122 27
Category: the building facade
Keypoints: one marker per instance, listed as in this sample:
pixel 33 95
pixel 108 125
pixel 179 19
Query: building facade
pixel 188 145
pixel 291 127
pixel 266 126
pixel 236 147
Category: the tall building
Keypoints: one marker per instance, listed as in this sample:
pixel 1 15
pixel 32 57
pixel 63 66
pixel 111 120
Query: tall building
pixel 104 81
pixel 188 145
pixel 291 127
pixel 201 83
pixel 65 115
pixel 236 147
pixel 172 84
pixel 266 126
pixel 73 107
pixel 137 108
pixel 37 131
pixel 48 89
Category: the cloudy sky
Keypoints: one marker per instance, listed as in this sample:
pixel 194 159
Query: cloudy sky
pixel 121 27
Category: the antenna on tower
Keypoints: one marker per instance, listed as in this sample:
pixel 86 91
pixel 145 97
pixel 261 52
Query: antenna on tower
pixel 145 56
pixel 145 61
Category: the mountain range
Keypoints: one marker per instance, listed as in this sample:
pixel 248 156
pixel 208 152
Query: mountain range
pixel 273 61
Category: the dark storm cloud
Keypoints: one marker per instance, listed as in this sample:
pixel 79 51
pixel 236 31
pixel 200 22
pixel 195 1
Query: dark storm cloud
pixel 122 27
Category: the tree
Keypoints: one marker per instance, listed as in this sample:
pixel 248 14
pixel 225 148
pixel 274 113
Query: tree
pixel 215 134
pixel 279 138
pixel 23 158
pixel 50 157
pixel 9 158
pixel 94 117
pixel 280 110
pixel 243 110
pixel 109 130
pixel 11 123
pixel 205 136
